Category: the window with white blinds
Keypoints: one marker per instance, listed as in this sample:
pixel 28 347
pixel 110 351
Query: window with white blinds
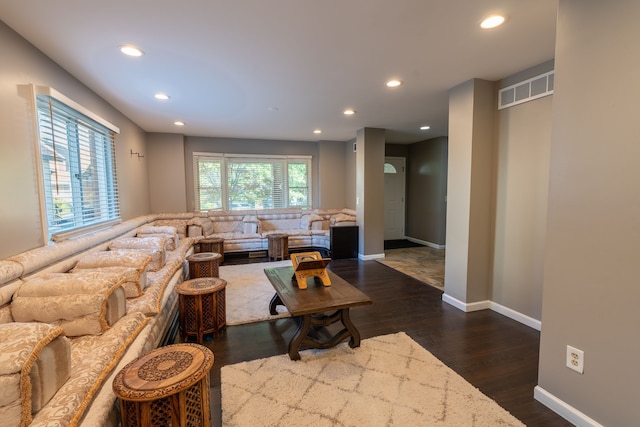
pixel 235 182
pixel 78 168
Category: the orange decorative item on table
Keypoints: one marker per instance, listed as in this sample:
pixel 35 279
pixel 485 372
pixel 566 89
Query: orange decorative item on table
pixel 310 264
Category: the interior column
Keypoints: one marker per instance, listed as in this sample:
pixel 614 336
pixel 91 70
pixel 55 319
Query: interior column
pixel 370 192
pixel 470 195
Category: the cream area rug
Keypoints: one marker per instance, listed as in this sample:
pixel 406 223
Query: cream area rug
pixel 389 380
pixel 422 263
pixel 249 292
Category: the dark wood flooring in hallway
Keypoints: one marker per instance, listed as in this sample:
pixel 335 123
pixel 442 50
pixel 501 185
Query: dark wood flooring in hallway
pixel 494 353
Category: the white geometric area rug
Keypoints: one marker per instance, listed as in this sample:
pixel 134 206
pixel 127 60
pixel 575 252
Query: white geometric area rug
pixel 249 292
pixel 389 380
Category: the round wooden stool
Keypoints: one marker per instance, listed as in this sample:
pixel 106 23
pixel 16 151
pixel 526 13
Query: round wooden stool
pixel 278 246
pixel 202 307
pixel 204 264
pixel 213 244
pixel 169 386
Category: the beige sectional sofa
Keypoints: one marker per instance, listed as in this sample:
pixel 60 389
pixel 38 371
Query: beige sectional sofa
pixel 247 230
pixel 60 373
pixel 71 317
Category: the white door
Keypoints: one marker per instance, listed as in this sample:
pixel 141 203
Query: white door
pixel 394 182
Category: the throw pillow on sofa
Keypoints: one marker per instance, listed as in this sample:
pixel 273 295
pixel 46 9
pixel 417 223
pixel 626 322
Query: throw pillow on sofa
pixel 135 279
pixel 81 304
pixel 152 246
pixel 35 361
pixel 166 232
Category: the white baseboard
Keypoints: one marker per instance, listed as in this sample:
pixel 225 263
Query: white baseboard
pixel 498 308
pixel 563 409
pixel 466 307
pixel 370 257
pixel 424 242
pixel 517 316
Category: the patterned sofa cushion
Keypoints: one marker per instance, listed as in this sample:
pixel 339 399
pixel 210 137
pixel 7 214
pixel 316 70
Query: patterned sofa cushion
pixel 35 361
pixel 81 304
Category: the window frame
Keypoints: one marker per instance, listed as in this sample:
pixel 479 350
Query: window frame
pixel 86 133
pixel 225 159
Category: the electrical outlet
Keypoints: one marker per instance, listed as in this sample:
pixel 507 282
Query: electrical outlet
pixel 575 359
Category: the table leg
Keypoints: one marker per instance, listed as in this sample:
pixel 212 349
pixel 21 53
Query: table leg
pixel 301 334
pixel 310 322
pixel 275 301
pixel 355 334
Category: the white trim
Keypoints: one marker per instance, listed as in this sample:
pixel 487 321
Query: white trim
pixel 66 235
pixel 253 156
pixel 466 307
pixel 46 90
pixel 44 225
pixel 563 409
pixel 424 242
pixel 370 257
pixel 517 316
pixel 493 306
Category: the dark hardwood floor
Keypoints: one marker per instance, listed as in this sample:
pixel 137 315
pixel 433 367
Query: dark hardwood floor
pixel 494 353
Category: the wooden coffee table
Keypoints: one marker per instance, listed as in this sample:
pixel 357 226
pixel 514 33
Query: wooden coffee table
pixel 309 305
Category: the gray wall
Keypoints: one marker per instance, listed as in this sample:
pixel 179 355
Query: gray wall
pixel 21 65
pixel 427 190
pixel 167 174
pixel 350 175
pixel 522 171
pixel 592 261
pixel 332 166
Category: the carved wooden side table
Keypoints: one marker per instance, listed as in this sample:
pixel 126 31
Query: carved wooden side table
pixel 278 246
pixel 202 307
pixel 169 386
pixel 204 264
pixel 213 244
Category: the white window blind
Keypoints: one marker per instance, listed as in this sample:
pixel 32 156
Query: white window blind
pixel 78 166
pixel 251 182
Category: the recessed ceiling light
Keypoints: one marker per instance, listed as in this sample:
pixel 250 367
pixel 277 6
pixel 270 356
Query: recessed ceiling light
pixel 393 83
pixel 425 127
pixel 492 21
pixel 161 96
pixel 178 123
pixel 317 131
pixel 349 112
pixel 131 50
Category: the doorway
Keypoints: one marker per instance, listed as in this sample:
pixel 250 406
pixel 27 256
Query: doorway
pixel 394 197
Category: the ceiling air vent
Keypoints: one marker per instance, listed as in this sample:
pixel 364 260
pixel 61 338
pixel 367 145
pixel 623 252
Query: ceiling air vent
pixel 528 90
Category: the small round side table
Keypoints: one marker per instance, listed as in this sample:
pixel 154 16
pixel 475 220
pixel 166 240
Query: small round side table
pixel 168 386
pixel 204 264
pixel 213 244
pixel 278 246
pixel 202 307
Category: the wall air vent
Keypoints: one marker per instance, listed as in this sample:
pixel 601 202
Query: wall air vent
pixel 525 91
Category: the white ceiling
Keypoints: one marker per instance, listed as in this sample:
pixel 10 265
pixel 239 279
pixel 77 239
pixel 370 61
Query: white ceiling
pixel 278 69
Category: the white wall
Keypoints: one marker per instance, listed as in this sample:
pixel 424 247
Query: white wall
pixel 21 65
pixel 592 257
